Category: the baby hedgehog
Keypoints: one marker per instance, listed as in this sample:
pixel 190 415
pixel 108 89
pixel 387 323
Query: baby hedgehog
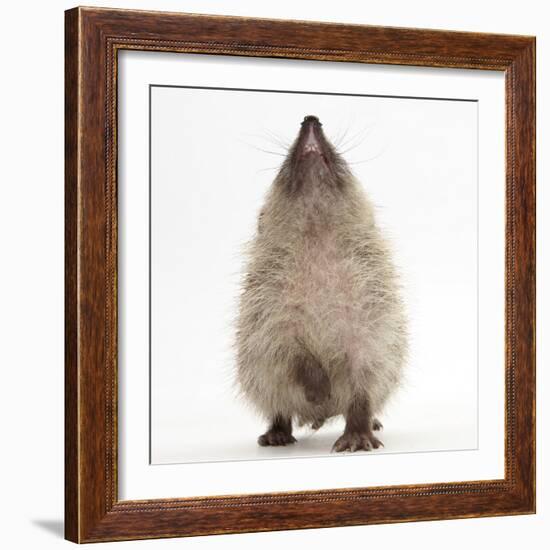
pixel 321 329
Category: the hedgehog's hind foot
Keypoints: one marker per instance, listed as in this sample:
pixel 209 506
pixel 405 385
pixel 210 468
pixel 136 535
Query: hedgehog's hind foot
pixel 356 441
pixel 358 434
pixel 279 433
pixel 275 438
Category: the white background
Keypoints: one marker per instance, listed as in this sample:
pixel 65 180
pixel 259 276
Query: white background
pixel 32 278
pixel 413 424
pixel 208 185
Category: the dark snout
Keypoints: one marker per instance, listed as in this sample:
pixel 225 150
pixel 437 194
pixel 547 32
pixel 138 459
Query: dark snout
pixel 312 160
pixel 311 139
pixel 311 119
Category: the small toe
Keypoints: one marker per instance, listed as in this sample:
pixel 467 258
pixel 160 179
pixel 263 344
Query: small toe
pixel 275 438
pixel 356 442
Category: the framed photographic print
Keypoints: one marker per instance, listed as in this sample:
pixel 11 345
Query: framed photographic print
pixel 300 274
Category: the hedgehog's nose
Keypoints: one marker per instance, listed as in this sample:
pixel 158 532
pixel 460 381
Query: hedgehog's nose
pixel 310 119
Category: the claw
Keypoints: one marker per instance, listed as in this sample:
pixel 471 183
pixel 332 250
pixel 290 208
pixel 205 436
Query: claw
pixel 276 438
pixel 355 441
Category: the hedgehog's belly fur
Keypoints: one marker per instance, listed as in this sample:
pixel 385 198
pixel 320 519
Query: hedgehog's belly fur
pixel 321 303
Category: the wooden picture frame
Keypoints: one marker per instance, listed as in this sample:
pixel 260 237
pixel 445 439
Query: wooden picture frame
pixel 93 511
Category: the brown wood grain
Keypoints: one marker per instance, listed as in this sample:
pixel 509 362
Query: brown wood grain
pixel 71 288
pixel 93 511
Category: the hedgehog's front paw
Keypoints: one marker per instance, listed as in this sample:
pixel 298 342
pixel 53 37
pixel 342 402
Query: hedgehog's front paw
pixel 311 376
pixel 356 441
pixel 318 393
pixel 274 437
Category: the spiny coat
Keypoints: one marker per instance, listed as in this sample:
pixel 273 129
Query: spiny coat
pixel 321 329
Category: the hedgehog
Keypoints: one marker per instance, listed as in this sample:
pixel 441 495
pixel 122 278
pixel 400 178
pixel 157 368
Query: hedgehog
pixel 321 328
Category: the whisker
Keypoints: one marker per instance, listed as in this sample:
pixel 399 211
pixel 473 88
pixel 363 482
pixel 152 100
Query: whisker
pixel 271 139
pixel 342 134
pixel 261 149
pixel 269 152
pixel 351 148
pixel 274 138
pixel 363 161
pixel 267 169
pixel 361 135
pixel 278 139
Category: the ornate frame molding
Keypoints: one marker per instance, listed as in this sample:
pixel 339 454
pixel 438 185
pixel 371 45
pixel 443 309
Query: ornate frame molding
pixel 93 38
